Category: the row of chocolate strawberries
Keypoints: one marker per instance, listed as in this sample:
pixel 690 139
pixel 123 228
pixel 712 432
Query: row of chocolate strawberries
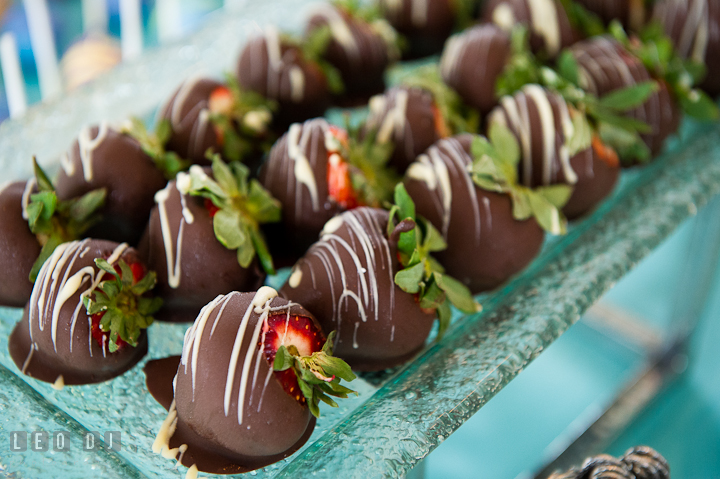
pixel 555 24
pixel 317 171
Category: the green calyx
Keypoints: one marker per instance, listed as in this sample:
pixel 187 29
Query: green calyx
pixel 371 177
pixel 242 207
pixel 126 312
pixel 655 50
pixel 465 13
pixel 582 19
pixel 314 48
pixel 318 375
pixel 153 144
pixel 457 116
pixel 606 115
pixel 423 275
pixel 245 125
pixel 495 168
pixel 54 222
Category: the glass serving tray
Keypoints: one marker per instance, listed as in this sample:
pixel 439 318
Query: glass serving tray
pixel 400 416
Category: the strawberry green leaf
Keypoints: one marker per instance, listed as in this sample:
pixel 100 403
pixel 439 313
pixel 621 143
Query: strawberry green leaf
pixel 556 195
pixel 228 228
pixel 283 359
pixel 630 97
pixel 568 67
pixel 547 215
pixel 52 242
pixel 409 279
pixel 241 208
pixel 125 313
pixel 153 144
pixel 433 241
pixel 433 297
pixel 263 253
pixel 43 182
pixel 444 316
pixel 82 209
pixel 458 294
pixel 49 201
pixel 318 375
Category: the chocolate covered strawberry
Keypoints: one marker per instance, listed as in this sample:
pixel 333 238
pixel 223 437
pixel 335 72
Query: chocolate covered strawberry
pixel 371 278
pixel 694 28
pixel 317 170
pixel 425 24
pixel 415 114
pixel 204 237
pixel 253 371
pixel 493 229
pixel 104 157
pixel 548 22
pixel 472 62
pixel 86 319
pixel 361 47
pixel 33 222
pixel 289 72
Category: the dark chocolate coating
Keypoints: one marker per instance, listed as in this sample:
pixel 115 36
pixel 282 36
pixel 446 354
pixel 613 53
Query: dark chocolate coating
pixel 550 29
pixel 405 117
pixel 473 61
pixel 346 280
pixel 540 164
pixel 425 24
pixel 74 353
pixel 631 13
pixel 18 247
pixel 486 245
pixel 306 207
pixel 206 267
pixel 606 66
pixel 187 110
pixel 116 162
pixel 271 421
pixel 591 177
pixel 361 55
pixel 297 85
pixel 596 180
pixel 694 27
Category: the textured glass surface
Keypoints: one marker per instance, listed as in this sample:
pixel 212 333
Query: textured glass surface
pixel 398 417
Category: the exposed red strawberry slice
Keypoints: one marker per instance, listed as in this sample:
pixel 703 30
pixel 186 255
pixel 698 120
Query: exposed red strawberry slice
pixel 441 126
pixel 339 183
pixel 210 207
pixel 221 100
pixel 298 331
pixel 340 134
pixel 605 152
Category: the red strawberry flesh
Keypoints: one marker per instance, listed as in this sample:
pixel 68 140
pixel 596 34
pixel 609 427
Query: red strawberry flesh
pixel 298 331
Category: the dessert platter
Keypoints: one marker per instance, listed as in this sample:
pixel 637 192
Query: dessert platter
pixel 332 257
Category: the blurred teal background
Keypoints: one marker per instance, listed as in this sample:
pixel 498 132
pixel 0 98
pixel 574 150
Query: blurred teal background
pixel 579 375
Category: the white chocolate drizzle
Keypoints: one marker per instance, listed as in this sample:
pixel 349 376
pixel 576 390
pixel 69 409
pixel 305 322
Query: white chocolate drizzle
pixel 173 258
pixel 419 12
pixel 87 145
pixel 51 292
pixel 260 305
pixel 514 113
pixel 59 383
pixel 364 244
pixel 545 22
pixel 340 31
pixel 29 186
